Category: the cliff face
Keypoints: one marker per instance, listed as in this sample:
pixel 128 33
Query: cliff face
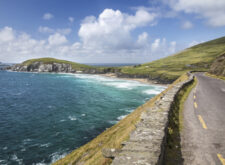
pixel 55 67
pixel 218 66
pixel 41 67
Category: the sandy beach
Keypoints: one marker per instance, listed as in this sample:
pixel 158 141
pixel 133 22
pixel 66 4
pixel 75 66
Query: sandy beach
pixel 142 80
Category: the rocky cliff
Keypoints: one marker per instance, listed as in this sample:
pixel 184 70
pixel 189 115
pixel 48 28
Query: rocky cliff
pixel 39 66
pixel 218 66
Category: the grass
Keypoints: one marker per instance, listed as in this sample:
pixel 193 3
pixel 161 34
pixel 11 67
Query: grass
pixel 215 76
pixel 90 153
pixel 173 148
pixel 196 58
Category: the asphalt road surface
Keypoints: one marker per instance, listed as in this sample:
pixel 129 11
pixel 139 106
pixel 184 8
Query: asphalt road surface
pixel 203 135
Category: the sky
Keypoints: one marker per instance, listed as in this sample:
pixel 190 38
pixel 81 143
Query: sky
pixel 106 31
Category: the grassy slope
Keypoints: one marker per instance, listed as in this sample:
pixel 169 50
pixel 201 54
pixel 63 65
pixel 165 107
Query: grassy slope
pixel 215 76
pixel 90 153
pixel 198 57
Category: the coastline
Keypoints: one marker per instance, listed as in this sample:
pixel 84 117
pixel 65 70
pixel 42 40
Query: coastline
pixel 109 75
pixel 141 80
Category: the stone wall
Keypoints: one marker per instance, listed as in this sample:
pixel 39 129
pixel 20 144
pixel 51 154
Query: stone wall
pixel 146 144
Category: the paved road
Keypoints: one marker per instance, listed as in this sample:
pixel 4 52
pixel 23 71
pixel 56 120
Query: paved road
pixel 203 136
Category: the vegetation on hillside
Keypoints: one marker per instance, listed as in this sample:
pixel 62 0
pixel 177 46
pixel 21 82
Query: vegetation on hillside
pixel 196 58
pixel 53 60
pixel 215 76
pixel 75 66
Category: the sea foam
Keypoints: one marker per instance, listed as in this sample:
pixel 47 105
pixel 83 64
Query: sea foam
pixel 72 118
pixel 113 82
pixel 121 117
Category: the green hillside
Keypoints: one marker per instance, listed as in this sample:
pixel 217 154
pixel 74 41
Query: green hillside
pixel 196 58
pixel 53 60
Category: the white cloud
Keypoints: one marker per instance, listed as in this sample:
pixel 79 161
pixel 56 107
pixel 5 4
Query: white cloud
pixel 212 10
pixel 155 44
pixel 187 25
pixel 172 47
pixel 112 28
pixel 57 39
pixel 45 29
pixel 105 38
pixel 71 19
pixel 162 47
pixel 47 16
pixel 141 18
pixel 143 38
pixel 6 34
pixel 64 31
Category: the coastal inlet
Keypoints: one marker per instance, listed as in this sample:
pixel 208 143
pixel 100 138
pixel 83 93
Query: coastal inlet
pixel 44 116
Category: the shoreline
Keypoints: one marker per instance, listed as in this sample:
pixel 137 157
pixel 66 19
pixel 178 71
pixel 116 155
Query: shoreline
pixel 141 80
pixel 109 75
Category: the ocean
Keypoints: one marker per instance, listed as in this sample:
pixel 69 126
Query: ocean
pixel 44 116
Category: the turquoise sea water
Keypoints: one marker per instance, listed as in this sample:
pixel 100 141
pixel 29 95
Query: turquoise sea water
pixel 45 116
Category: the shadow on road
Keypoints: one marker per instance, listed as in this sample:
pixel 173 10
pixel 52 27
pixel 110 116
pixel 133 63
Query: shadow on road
pixel 173 154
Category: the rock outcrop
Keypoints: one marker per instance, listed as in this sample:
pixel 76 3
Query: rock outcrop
pixel 57 67
pixel 42 67
pixel 218 66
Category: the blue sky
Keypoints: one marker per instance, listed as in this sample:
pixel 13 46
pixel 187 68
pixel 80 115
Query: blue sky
pixel 106 31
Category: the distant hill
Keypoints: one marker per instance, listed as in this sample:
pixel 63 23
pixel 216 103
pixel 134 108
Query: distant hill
pixel 4 66
pixel 54 60
pixel 56 65
pixel 196 58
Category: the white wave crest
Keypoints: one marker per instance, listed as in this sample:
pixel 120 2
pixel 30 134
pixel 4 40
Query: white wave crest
pixel 15 158
pixel 156 90
pixel 125 85
pixel 26 141
pixel 5 148
pixel 56 156
pixel 109 81
pixel 151 92
pixel 113 122
pixel 72 118
pixel 121 117
pixel 45 145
